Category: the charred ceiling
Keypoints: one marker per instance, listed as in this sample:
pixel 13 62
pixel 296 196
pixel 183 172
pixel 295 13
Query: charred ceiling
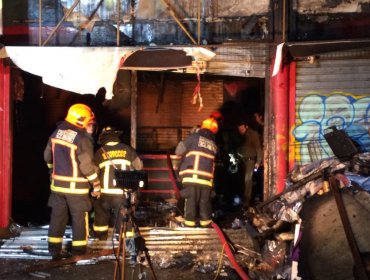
pixel 329 20
pixel 180 22
pixel 141 22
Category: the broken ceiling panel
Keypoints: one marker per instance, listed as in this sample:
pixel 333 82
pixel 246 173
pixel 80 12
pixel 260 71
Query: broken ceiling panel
pixel 158 58
pixel 142 22
pixel 79 70
pixel 86 69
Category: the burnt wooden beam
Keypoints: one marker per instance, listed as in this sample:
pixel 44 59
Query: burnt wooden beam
pixel 70 10
pixel 133 102
pixel 89 19
pixel 173 14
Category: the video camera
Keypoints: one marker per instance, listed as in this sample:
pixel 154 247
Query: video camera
pixel 130 180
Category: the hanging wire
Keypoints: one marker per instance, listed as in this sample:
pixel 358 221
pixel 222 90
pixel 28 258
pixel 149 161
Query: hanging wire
pixel 199 10
pixel 40 23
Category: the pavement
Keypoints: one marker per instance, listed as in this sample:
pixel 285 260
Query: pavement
pixel 175 253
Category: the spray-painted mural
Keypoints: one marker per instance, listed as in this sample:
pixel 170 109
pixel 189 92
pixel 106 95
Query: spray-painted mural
pixel 317 112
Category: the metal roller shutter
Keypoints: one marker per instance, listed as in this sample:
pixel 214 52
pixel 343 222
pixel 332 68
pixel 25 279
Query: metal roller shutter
pixel 212 96
pixel 248 60
pixel 335 90
pixel 162 130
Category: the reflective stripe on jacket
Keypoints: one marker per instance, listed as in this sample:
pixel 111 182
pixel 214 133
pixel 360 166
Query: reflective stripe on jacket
pixel 115 155
pixel 70 153
pixel 198 152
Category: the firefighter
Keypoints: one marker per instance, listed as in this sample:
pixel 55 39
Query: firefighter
pixel 112 155
pixel 70 157
pixel 196 172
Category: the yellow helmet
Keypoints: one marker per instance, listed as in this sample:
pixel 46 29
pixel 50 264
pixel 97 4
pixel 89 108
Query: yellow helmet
pixel 80 115
pixel 210 124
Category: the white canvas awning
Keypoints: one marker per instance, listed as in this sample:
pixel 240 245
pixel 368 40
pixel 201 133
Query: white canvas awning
pixel 83 69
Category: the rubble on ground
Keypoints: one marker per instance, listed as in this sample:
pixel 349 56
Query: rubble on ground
pixel 273 223
pixel 268 240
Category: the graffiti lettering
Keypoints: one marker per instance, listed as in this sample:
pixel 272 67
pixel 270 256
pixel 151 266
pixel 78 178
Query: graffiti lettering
pixel 316 113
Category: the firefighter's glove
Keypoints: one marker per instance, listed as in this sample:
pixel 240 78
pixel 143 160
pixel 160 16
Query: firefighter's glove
pixel 96 189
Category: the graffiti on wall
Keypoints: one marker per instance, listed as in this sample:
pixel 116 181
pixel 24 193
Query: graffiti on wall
pixel 318 113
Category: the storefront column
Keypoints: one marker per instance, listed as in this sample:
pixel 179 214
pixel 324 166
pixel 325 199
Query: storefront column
pixel 5 145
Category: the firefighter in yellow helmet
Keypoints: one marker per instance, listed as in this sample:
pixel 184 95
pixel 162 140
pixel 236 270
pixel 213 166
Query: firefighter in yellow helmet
pixel 196 172
pixel 69 155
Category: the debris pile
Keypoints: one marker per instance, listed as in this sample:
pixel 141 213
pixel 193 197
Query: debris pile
pixel 277 226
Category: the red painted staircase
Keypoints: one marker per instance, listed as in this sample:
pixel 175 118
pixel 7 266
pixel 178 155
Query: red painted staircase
pixel 162 178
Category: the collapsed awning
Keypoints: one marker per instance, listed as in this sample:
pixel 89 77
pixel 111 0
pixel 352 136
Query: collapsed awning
pixel 303 49
pixel 86 69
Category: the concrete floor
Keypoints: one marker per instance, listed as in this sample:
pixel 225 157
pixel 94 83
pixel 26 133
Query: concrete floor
pixel 17 270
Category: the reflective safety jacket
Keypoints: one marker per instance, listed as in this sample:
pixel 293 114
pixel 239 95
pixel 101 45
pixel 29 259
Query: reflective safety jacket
pixel 69 154
pixel 198 153
pixel 115 155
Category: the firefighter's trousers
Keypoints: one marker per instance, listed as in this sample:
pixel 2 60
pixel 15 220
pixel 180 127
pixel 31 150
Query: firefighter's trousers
pixel 111 210
pixel 197 198
pixel 106 213
pixel 62 205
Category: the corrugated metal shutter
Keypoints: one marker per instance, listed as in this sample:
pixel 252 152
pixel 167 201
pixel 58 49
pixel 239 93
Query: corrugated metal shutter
pixel 248 60
pixel 157 129
pixel 212 96
pixel 333 91
pixel 176 114
pixel 58 102
pixel 148 95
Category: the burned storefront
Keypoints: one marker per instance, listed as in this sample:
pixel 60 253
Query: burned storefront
pixel 160 70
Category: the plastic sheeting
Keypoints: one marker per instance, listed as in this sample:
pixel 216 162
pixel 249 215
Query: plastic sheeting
pixel 78 69
pixel 81 69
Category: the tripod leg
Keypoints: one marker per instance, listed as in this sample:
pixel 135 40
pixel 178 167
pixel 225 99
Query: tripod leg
pixel 118 253
pixel 123 251
pixel 150 264
pixel 121 246
pixel 141 274
pixel 144 249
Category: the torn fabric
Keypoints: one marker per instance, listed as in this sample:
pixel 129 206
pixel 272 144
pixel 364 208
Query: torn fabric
pixel 82 70
pixel 278 59
pixel 78 69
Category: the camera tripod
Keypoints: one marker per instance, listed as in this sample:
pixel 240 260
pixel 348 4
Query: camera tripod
pixel 126 212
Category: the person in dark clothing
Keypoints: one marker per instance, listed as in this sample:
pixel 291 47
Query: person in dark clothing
pixel 69 155
pixel 196 172
pixel 251 152
pixel 257 193
pixel 258 122
pixel 102 112
pixel 112 155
